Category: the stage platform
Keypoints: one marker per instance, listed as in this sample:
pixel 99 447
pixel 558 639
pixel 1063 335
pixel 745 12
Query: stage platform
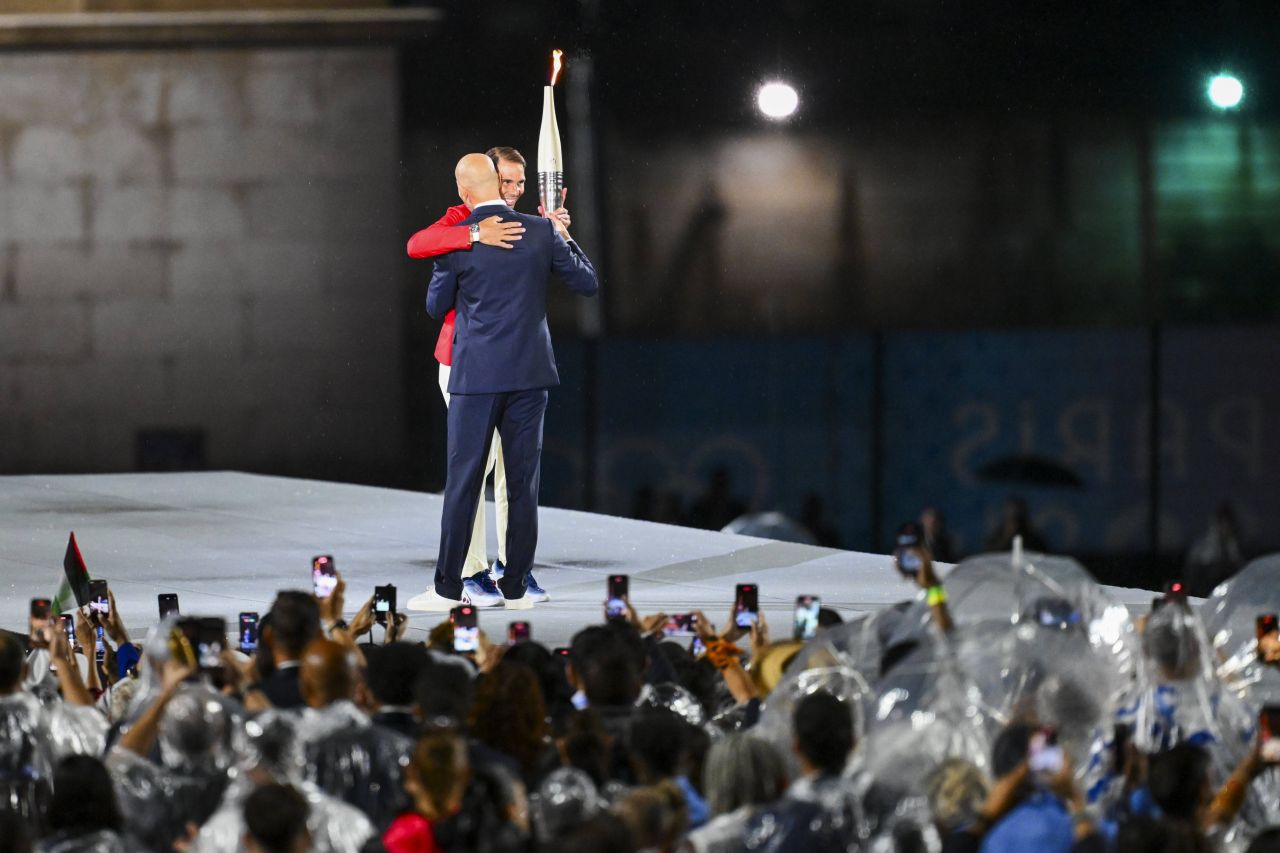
pixel 227 541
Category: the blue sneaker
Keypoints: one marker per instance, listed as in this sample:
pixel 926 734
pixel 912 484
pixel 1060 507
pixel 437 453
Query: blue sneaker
pixel 482 591
pixel 536 593
pixel 531 589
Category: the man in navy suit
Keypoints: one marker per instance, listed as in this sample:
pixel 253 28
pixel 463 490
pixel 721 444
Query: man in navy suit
pixel 502 367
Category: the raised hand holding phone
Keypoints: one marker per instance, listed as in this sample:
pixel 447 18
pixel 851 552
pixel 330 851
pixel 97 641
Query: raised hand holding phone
pixel 68 630
pixel 615 603
pixel 84 633
pixel 324 576
pixel 466 629
pixel 248 632
pixel 746 607
pixel 39 618
pixel 331 606
pixel 1269 734
pixel 99 601
pixel 1268 627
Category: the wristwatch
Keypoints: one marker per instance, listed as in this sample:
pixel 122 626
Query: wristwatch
pixel 475 232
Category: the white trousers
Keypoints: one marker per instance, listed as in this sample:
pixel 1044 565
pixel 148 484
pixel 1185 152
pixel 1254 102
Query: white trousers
pixel 478 552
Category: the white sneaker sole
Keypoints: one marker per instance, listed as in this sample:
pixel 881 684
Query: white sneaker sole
pixel 431 602
pixel 524 602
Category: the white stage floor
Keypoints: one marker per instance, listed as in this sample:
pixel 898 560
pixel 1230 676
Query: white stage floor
pixel 226 542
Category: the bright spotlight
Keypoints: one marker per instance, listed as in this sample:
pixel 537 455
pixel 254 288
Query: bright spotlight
pixel 777 100
pixel 1226 91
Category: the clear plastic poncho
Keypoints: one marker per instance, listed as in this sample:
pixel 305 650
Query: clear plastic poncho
pixel 677 700
pixel 815 816
pixel 1229 615
pixel 33 736
pixel 273 752
pixel 842 660
pixel 1036 639
pixel 26 758
pixel 1182 699
pixel 356 761
pixel 103 841
pixel 1055 592
pixel 197 738
pixel 566 799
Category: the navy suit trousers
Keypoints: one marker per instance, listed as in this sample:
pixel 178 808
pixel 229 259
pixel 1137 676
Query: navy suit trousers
pixel 518 417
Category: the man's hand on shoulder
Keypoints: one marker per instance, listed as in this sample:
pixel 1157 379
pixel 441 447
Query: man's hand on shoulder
pixel 495 232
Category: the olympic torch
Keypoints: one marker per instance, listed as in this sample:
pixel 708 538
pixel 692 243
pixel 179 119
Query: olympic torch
pixel 550 160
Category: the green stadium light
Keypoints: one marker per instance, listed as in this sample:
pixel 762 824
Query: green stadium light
pixel 1225 91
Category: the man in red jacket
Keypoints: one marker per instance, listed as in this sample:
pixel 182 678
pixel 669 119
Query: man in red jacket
pixel 445 235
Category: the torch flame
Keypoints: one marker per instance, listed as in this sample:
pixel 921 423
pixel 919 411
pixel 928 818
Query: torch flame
pixel 556 65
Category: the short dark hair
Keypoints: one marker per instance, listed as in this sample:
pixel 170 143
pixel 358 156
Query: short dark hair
pixel 1176 780
pixel 393 670
pixel 505 152
pixel 549 671
pixel 84 800
pixel 610 676
pixel 295 620
pixel 276 816
pixel 444 690
pixel 657 742
pixel 1010 748
pixel 12 657
pixel 586 745
pixel 824 731
pixel 828 618
pixel 604 833
pixel 585 643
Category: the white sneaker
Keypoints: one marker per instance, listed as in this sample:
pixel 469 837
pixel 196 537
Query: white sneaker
pixel 524 602
pixel 433 602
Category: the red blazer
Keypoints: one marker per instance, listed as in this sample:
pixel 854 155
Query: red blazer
pixel 441 237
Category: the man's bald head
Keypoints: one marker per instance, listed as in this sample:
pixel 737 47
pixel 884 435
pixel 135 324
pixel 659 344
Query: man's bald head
pixel 477 179
pixel 327 674
pixel 12 663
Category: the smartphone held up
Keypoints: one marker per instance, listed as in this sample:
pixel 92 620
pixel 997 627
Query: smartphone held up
pixel 615 603
pixel 806 622
pixel 248 632
pixel 324 575
pixel 466 629
pixel 167 603
pixel 906 554
pixel 99 601
pixel 1044 756
pixel 746 605
pixel 384 604
pixel 37 625
pixel 1269 734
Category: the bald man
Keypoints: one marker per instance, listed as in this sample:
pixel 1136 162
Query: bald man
pixel 347 756
pixel 327 673
pixel 503 366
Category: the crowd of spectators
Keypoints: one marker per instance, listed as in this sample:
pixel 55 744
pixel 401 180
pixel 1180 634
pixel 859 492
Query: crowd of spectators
pixel 879 733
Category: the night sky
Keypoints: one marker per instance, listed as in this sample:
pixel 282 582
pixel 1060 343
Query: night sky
pixel 678 67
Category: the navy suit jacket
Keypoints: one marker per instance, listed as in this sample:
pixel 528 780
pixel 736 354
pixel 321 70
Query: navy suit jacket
pixel 501 341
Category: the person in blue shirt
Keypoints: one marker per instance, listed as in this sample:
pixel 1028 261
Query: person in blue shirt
pixel 1027 810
